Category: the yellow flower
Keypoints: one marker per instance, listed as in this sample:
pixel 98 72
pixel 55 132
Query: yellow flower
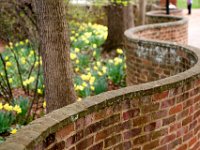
pixel 7 107
pixel 1 106
pixel 77 69
pixel 44 104
pixel 39 91
pixel 119 51
pixel 92 88
pixel 104 69
pixel 32 52
pixel 21 43
pixel 94 53
pixel 10 80
pixel 79 99
pixel 6 58
pixel 94 46
pixel 98 64
pixel 92 79
pixel 23 60
pixel 72 56
pixel 8 64
pixel 85 77
pixel 26 41
pixel 77 50
pixel 10 43
pixel 13 131
pixel 84 84
pixel 17 109
pixel 16 44
pixel 95 68
pixel 31 79
pixel 100 73
pixel 77 61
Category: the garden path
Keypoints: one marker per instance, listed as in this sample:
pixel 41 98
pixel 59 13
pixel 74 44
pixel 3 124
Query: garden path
pixel 194 27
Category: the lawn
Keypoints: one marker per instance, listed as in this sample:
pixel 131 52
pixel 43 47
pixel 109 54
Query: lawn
pixel 183 4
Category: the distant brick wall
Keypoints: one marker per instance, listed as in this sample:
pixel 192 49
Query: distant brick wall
pixel 159 115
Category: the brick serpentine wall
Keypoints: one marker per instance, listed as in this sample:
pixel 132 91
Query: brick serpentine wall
pixel 162 114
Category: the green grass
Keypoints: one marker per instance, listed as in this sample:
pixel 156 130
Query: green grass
pixel 183 4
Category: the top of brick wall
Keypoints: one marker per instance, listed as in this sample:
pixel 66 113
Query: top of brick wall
pixel 39 129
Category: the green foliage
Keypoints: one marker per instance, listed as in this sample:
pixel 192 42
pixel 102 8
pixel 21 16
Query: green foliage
pixel 6 120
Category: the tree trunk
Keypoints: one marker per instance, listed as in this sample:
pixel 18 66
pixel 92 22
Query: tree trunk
pixel 120 18
pixel 142 13
pixel 54 42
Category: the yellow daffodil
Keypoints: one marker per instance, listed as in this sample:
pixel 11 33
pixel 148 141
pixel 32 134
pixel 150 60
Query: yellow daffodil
pixel 13 131
pixel 17 109
pixel 8 107
pixel 8 64
pixel 77 61
pixel 73 56
pixel 92 79
pixel 39 91
pixel 77 50
pixel 104 69
pixel 85 77
pixel 84 84
pixel 44 104
pixel 77 69
pixel 23 60
pixel 92 88
pixel 94 45
pixel 26 41
pixel 119 51
pixel 21 43
pixel 79 99
pixel 95 68
pixel 1 106
pixel 94 53
pixel 6 58
pixel 10 80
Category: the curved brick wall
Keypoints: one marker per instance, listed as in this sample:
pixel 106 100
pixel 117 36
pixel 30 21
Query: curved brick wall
pixel 158 115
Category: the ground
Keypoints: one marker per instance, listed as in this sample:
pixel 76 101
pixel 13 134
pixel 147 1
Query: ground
pixel 194 30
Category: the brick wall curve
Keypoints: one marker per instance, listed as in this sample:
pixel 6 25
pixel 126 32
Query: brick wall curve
pixel 162 114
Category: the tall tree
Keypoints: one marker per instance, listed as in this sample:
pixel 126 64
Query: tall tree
pixel 54 44
pixel 142 11
pixel 120 18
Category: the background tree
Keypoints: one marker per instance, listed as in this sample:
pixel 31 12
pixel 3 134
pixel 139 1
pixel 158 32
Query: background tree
pixel 120 18
pixel 54 44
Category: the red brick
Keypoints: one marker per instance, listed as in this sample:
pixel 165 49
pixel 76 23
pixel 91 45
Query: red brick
pixel 151 145
pixel 182 147
pixel 175 127
pixel 85 143
pixel 187 121
pixel 132 133
pixel 174 143
pixel 141 120
pixel 131 113
pixel 162 148
pixel 182 131
pixel 64 132
pixel 176 109
pixel 192 141
pixel 168 139
pixel 169 120
pixel 113 140
pixel 98 146
pixel 188 136
pixel 142 139
pixel 160 96
pixel 150 108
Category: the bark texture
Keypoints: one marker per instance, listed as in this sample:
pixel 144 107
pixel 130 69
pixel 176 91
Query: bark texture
pixel 142 11
pixel 54 42
pixel 120 18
